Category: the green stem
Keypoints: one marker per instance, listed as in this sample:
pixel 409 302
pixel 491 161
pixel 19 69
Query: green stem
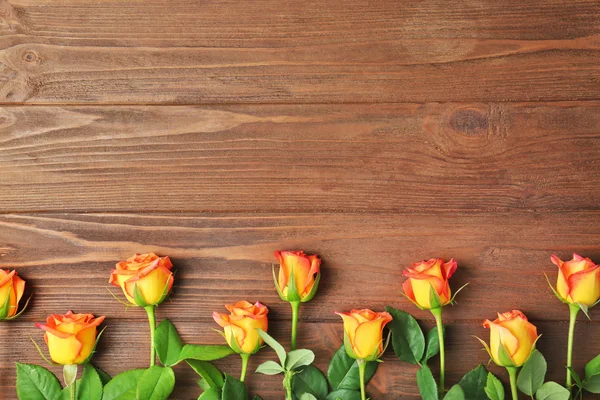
pixel 362 366
pixel 152 322
pixel 573 310
pixel 73 391
pixel 437 314
pixel 287 384
pixel 245 358
pixel 512 373
pixel 295 309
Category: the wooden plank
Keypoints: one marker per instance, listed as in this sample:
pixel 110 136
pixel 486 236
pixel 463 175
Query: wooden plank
pixel 180 52
pixel 224 258
pixel 124 346
pixel 300 158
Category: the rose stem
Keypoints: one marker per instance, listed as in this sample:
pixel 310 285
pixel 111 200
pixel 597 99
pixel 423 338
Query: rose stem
pixel 362 365
pixel 245 358
pixel 437 314
pixel 73 391
pixel 152 321
pixel 573 310
pixel 295 309
pixel 512 373
pixel 287 383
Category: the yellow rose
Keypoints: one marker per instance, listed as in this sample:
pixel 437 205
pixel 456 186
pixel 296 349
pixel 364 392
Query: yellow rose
pixel 304 270
pixel 363 333
pixel 70 337
pixel 517 336
pixel 11 291
pixel 578 280
pixel 149 273
pixel 241 325
pixel 423 276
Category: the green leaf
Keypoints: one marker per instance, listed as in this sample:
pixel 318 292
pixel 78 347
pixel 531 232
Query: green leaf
pixel 307 396
pixel 167 343
pixel 426 383
pixel 592 384
pixel 407 337
pixel 532 373
pixel 299 358
pixel 256 397
pixel 156 383
pixel 455 393
pixel 233 389
pixel 269 368
pixel 209 373
pixel 274 344
pixel 104 377
pixel 204 352
pixel 474 382
pixel 210 394
pixel 433 344
pixel 344 394
pixel 123 386
pixel 89 387
pixel 36 383
pixel 494 388
pixel 137 297
pixel 593 367
pixel 310 381
pixel 552 391
pixel 343 371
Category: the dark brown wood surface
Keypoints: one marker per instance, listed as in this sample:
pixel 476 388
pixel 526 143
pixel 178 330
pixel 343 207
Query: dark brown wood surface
pixel 373 133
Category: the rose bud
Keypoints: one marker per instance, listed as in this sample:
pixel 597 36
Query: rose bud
pixel 578 280
pixel 427 279
pixel 11 291
pixel 363 333
pixel 146 279
pixel 512 338
pixel 240 326
pixel 71 338
pixel 299 275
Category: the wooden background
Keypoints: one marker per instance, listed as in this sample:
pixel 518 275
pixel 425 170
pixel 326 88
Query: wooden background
pixel 375 133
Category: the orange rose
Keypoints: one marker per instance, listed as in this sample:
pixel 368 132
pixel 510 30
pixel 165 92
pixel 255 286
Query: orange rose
pixel 423 276
pixel 148 274
pixel 363 333
pixel 71 338
pixel 299 275
pixel 512 338
pixel 578 280
pixel 241 325
pixel 11 291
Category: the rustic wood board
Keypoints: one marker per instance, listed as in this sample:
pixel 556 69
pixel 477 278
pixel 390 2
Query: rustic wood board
pixel 407 157
pixel 315 51
pixel 373 133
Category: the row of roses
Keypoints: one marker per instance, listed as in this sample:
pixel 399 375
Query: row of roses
pixel 146 280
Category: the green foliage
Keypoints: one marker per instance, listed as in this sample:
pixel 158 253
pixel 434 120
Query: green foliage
pixel 156 383
pixel 36 383
pixel 426 383
pixel 532 374
pixel 408 340
pixel 343 371
pixel 233 389
pixel 552 391
pixel 474 382
pixel 310 381
pixel 455 393
pixel 123 386
pixel 494 388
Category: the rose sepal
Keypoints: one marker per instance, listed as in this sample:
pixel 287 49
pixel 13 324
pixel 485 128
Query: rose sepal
pixel 348 347
pixel 126 304
pixel 20 312
pixel 166 291
pixel 43 355
pixel 233 343
pixel 434 298
pixel 451 301
pixel 6 305
pixel 313 291
pixel 558 296
pixel 138 297
pixel 279 291
pixel 412 301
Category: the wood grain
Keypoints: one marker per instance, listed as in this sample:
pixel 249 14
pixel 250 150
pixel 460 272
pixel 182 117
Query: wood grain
pixel 301 158
pixel 181 52
pixel 120 349
pixel 221 259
